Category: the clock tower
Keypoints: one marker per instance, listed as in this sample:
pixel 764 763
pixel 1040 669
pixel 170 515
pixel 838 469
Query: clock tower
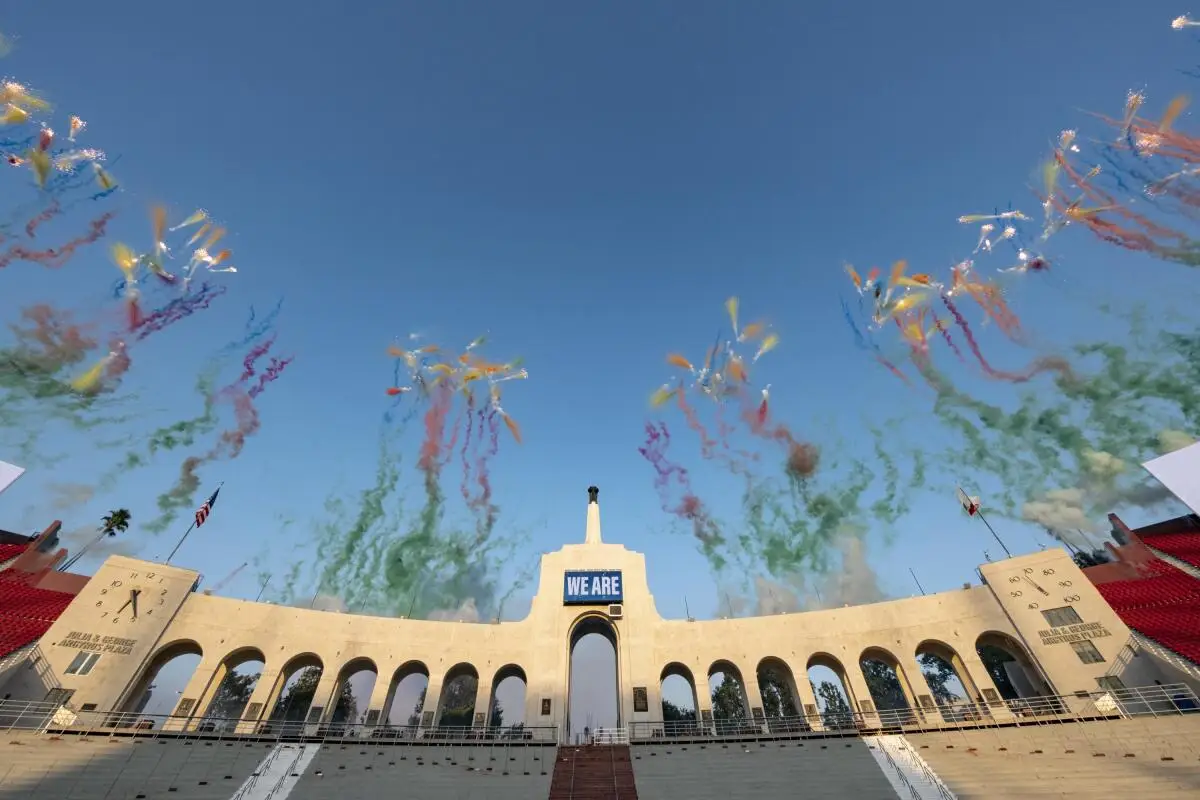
pixel 113 627
pixel 1060 618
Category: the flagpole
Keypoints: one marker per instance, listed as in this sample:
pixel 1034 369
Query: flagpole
pixel 181 541
pixel 189 531
pixel 262 589
pixel 916 581
pixel 979 514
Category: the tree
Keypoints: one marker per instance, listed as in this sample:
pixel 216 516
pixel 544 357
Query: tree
pixel 835 711
pixel 727 699
pixel 777 698
pixel 938 674
pixel 674 713
pixel 112 523
pixel 884 685
pixel 496 718
pixel 1084 559
pixel 293 705
pixel 457 704
pixel 232 697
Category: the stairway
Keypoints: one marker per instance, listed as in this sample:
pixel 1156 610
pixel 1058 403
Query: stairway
pixel 595 772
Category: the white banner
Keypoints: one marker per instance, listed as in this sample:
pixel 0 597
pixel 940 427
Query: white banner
pixel 1180 473
pixel 9 474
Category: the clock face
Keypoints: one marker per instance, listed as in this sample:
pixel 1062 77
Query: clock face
pixel 1039 588
pixel 132 598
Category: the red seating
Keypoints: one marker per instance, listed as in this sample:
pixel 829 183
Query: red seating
pixel 1164 605
pixel 1184 546
pixel 11 551
pixel 26 612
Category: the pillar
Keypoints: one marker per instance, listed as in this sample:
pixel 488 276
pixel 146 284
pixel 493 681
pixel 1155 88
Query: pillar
pixel 381 697
pixel 331 682
pixel 433 700
pixel 200 688
pixel 752 697
pixel 483 703
pixel 703 700
pixel 806 698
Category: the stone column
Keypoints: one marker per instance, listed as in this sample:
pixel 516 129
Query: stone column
pixel 483 704
pixel 381 694
pixel 200 690
pixel 975 679
pixel 433 698
pixel 703 700
pixel 326 697
pixel 806 699
pixel 752 698
pixel 265 695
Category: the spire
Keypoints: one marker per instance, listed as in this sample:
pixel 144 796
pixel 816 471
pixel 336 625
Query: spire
pixel 592 536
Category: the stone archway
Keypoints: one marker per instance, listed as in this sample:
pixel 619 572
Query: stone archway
pixel 593 697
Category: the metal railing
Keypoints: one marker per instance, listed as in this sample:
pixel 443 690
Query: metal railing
pixel 610 736
pixel 1152 701
pixel 52 718
pixel 912 790
pixel 910 756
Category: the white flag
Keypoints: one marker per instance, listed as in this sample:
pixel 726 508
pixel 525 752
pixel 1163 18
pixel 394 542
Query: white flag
pixel 9 474
pixel 969 504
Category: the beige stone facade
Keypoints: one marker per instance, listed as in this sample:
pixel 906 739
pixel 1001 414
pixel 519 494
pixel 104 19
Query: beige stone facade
pixel 1007 611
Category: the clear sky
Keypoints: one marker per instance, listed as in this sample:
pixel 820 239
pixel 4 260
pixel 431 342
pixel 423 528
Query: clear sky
pixel 586 183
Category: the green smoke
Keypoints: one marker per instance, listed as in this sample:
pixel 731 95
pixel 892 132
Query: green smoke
pixel 1115 407
pixel 375 560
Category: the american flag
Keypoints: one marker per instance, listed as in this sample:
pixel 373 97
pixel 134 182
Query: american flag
pixel 203 511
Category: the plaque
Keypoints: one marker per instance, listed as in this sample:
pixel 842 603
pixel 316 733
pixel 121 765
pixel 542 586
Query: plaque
pixel 641 701
pixel 479 719
pixel 757 713
pixel 427 719
pixel 706 715
pixel 545 706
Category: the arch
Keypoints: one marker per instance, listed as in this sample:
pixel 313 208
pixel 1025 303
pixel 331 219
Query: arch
pixel 951 689
pixel 506 707
pixel 352 693
pixel 677 687
pixel 406 697
pixel 175 663
pixel 592 630
pixel 888 684
pixel 780 698
pixel 835 700
pixel 295 689
pixel 456 706
pixel 730 706
pixel 235 680
pixel 1010 667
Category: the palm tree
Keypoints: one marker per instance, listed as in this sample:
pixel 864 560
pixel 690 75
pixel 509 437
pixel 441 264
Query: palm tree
pixel 111 523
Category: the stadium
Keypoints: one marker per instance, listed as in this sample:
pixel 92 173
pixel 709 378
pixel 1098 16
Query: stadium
pixel 1068 680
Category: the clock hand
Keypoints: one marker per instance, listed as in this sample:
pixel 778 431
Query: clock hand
pixel 1034 585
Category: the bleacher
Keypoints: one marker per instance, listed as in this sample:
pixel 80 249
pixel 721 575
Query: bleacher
pixel 1148 757
pixel 766 769
pixel 27 612
pixel 1184 546
pixel 1163 604
pixel 91 767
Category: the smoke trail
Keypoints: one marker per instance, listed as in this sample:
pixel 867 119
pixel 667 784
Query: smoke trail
pixel 56 257
pixel 1048 447
pixel 689 507
pixel 229 446
pixel 175 310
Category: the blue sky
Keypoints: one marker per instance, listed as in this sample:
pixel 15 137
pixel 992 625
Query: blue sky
pixel 587 185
